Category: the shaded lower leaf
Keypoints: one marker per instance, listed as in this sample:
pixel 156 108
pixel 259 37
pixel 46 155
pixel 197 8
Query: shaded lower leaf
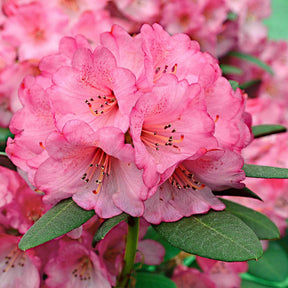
pixel 262 226
pixel 59 220
pixel 264 130
pixel 234 84
pixel 171 251
pixel 229 69
pixel 268 172
pixel 250 284
pixel 144 279
pixel 244 192
pixel 217 235
pixel 253 60
pixel 6 162
pixel 273 266
pixel 107 225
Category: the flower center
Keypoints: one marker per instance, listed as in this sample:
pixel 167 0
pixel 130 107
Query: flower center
pixel 84 269
pixel 182 178
pixel 15 257
pixel 99 168
pixel 102 104
pixel 159 72
pixel 156 136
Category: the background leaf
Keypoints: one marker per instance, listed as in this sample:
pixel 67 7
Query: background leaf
pixel 234 84
pixel 59 220
pixel 277 23
pixel 229 69
pixel 268 172
pixel 264 130
pixel 244 192
pixel 4 134
pixel 150 280
pixel 6 162
pixel 107 225
pixel 262 226
pixel 273 266
pixel 253 60
pixel 171 251
pixel 218 235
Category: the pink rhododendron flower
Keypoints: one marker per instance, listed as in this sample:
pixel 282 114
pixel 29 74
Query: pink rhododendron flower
pixel 17 268
pixel 35 30
pixel 185 277
pixel 112 247
pixel 75 265
pixel 94 89
pixel 96 168
pixel 216 270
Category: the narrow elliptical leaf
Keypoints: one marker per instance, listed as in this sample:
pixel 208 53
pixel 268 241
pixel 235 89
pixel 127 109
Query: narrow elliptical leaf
pixel 264 130
pixel 217 235
pixel 144 279
pixel 107 225
pixel 262 226
pixel 59 220
pixel 269 172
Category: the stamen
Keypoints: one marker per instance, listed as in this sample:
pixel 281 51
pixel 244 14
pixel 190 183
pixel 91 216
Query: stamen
pixel 182 178
pixel 14 256
pixel 99 168
pixel 159 73
pixel 102 104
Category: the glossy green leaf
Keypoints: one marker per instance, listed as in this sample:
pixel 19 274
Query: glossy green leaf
pixel 264 130
pixel 269 172
pixel 253 60
pixel 244 192
pixel 4 134
pixel 6 162
pixel 262 226
pixel 273 266
pixel 217 235
pixel 234 84
pixel 107 225
pixel 229 69
pixel 144 279
pixel 171 251
pixel 59 220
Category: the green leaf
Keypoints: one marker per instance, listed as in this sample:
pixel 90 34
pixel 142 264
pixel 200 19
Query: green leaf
pixel 144 279
pixel 217 235
pixel 273 266
pixel 264 130
pixel 6 162
pixel 262 226
pixel 59 220
pixel 278 21
pixel 234 84
pixel 253 60
pixel 171 251
pixel 251 84
pixel 250 284
pixel 4 134
pixel 244 192
pixel 232 16
pixel 107 225
pixel 268 172
pixel 229 69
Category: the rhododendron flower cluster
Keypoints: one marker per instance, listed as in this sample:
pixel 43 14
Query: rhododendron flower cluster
pixel 145 124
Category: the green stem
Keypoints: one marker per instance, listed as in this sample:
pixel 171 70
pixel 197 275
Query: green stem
pixel 130 252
